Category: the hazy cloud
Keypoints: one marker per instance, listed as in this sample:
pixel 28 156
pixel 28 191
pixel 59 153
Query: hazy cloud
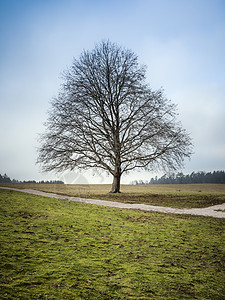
pixel 181 42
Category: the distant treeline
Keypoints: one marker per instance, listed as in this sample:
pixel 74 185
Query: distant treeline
pixel 6 179
pixel 180 178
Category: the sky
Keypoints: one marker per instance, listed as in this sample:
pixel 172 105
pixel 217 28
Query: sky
pixel 182 43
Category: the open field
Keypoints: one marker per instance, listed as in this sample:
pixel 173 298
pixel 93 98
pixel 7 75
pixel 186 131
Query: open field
pixel 177 196
pixel 58 249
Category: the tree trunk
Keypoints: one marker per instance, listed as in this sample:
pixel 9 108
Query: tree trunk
pixel 116 183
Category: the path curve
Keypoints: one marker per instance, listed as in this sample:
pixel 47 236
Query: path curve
pixel 216 211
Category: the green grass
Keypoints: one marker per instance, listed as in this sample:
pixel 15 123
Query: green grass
pixel 177 196
pixel 57 249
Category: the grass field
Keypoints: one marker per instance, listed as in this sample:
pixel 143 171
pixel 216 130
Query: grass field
pixel 177 196
pixel 57 249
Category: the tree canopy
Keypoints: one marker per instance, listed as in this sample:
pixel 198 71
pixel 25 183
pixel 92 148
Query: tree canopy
pixel 194 177
pixel 6 179
pixel 107 117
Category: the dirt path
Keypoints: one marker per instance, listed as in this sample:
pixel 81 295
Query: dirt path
pixel 216 211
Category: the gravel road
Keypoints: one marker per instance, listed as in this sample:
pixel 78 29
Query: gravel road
pixel 216 211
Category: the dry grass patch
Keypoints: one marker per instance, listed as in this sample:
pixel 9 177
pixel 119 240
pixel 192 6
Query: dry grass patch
pixel 177 196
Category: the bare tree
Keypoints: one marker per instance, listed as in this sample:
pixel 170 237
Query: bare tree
pixel 107 117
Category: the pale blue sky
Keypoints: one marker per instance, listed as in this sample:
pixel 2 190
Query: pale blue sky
pixel 181 41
